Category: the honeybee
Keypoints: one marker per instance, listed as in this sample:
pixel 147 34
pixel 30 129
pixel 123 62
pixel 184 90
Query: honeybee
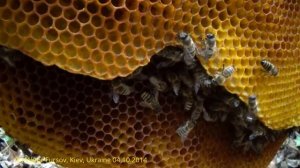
pixel 239 137
pixel 269 67
pixel 158 84
pixel 120 88
pixel 186 79
pixel 209 117
pixel 136 75
pixel 188 99
pixel 174 81
pixel 252 104
pixel 150 101
pixel 197 110
pixel 258 145
pixel 247 145
pixel 174 54
pixel 259 132
pixel 201 80
pixel 250 117
pixel 190 49
pixel 232 101
pixel 184 130
pixel 198 74
pixel 171 55
pixel 209 46
pixel 8 55
pixel 220 77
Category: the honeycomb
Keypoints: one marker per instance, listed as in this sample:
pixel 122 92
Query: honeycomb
pixel 64 115
pixel 106 39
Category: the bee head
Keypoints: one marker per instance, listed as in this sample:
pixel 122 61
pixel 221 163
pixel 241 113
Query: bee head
pixel 252 97
pixel 210 36
pixel 263 61
pixel 182 35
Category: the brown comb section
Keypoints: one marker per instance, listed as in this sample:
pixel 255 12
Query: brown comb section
pixel 110 38
pixel 63 115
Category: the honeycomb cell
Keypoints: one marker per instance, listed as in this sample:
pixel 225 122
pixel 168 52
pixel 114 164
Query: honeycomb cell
pixel 61 24
pixel 145 27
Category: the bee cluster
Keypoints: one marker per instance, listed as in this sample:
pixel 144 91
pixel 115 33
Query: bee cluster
pixel 16 155
pixel 289 153
pixel 176 70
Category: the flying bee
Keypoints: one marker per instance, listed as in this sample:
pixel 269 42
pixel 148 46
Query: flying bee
pixel 209 46
pixel 269 67
pixel 120 88
pixel 220 77
pixel 252 104
pixel 150 101
pixel 188 99
pixel 190 49
pixel 184 130
pixel 174 81
pixel 158 84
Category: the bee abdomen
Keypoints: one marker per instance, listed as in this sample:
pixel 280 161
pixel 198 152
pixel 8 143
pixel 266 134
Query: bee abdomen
pixel 146 96
pixel 218 79
pixel 158 84
pixel 188 43
pixel 211 40
pixel 269 67
pixel 124 90
pixel 252 103
pixel 151 101
pixel 188 105
pixel 184 130
pixel 228 71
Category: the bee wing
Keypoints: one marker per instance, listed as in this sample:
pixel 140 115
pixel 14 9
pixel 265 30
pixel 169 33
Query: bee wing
pixel 9 60
pixel 176 87
pixel 182 132
pixel 253 136
pixel 216 51
pixel 165 64
pixel 115 97
pixel 188 58
pixel 196 114
pixel 207 117
pixel 196 87
pixel 257 147
pixel 223 116
pixel 294 163
pixel 246 146
pixel 145 104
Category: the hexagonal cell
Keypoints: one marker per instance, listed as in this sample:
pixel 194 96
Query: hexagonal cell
pixel 119 47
